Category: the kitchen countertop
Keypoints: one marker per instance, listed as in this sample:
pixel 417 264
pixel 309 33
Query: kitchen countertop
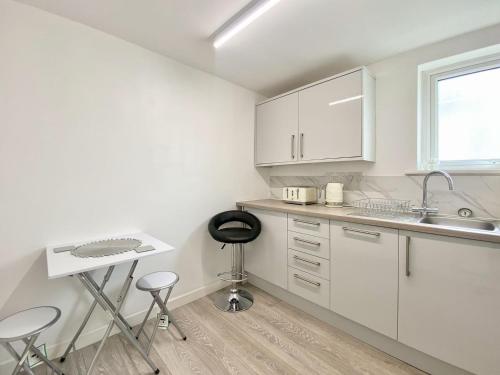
pixel 404 222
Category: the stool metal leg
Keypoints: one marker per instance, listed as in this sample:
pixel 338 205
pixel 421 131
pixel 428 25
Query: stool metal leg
pixel 44 359
pixel 71 345
pixel 145 320
pixel 25 354
pixel 163 306
pixel 17 357
pixel 235 299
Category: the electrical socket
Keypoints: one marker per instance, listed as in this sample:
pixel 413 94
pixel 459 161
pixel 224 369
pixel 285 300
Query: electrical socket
pixel 163 323
pixel 34 359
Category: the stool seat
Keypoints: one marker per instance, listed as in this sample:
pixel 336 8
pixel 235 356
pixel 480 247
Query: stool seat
pixel 234 234
pixel 27 323
pixel 157 281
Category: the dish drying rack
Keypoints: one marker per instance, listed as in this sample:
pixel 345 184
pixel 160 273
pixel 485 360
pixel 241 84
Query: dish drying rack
pixel 381 206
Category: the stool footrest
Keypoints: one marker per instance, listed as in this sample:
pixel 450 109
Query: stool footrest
pixel 233 277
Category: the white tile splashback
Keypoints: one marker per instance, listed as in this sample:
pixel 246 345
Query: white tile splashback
pixel 479 193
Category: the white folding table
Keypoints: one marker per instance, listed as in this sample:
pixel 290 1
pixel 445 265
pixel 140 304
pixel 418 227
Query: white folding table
pixel 61 264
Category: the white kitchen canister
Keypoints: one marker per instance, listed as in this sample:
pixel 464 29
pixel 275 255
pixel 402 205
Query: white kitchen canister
pixel 334 195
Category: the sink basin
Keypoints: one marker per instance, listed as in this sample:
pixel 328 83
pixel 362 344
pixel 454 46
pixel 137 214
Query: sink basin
pixel 459 223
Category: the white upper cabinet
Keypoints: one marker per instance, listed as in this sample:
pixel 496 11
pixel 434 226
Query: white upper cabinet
pixel 334 121
pixel 449 300
pixel 330 118
pixel 276 129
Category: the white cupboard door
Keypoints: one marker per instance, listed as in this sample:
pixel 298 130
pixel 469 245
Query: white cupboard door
pixel 330 118
pixel 364 274
pixel 276 137
pixel 267 256
pixel 449 304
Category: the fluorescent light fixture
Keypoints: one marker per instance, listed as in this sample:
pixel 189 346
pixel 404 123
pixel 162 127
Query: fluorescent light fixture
pixel 345 100
pixel 242 20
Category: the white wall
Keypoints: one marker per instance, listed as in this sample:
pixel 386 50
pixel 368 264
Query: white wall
pixel 99 136
pixel 396 108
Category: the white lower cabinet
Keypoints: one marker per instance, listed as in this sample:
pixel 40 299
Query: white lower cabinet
pixel 364 274
pixel 308 286
pixel 266 257
pixel 449 300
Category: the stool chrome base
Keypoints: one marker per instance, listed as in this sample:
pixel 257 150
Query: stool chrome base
pixel 233 300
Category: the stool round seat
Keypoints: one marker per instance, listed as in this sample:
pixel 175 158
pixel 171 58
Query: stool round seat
pixel 157 281
pixel 234 234
pixel 28 322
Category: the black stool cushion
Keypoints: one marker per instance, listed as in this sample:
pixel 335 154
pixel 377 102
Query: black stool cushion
pixel 234 234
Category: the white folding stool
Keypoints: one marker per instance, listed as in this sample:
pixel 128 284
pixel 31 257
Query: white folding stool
pixel 26 326
pixel 154 283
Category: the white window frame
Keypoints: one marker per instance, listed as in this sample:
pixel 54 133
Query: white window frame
pixel 429 75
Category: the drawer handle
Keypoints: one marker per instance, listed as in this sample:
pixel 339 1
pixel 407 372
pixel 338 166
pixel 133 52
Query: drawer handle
pixel 407 260
pixel 307 241
pixel 307 260
pixel 306 280
pixel 349 229
pixel 307 222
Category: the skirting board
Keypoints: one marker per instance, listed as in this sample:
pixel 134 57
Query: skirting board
pixel 91 337
pixel 392 347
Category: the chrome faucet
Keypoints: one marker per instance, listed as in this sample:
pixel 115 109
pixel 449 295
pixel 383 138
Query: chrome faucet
pixel 424 210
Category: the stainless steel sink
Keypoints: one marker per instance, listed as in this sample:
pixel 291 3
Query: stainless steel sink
pixel 489 226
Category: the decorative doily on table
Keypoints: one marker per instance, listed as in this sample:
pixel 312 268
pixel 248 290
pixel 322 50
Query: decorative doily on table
pixel 106 247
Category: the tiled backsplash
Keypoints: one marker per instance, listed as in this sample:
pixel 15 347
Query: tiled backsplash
pixel 479 193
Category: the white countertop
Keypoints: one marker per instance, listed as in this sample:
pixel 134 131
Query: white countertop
pixel 65 264
pixel 348 215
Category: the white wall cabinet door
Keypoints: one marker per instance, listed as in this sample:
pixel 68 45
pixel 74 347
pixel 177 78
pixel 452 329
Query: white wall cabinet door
pixel 267 256
pixel 276 137
pixel 449 305
pixel 364 274
pixel 331 119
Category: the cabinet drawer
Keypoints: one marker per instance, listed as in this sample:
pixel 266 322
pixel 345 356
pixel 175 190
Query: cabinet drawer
pixel 309 225
pixel 316 266
pixel 316 246
pixel 309 287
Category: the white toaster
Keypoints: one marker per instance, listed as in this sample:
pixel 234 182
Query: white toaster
pixel 300 194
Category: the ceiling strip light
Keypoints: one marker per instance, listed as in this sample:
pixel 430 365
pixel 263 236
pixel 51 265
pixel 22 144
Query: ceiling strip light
pixel 345 100
pixel 242 20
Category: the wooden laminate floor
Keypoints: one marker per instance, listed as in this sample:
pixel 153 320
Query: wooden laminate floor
pixel 270 338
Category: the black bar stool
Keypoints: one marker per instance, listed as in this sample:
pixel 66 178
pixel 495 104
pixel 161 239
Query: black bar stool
pixel 249 228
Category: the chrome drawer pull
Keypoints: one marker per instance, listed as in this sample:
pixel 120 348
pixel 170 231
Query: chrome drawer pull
pixel 307 260
pixel 349 229
pixel 293 146
pixel 307 222
pixel 307 241
pixel 306 280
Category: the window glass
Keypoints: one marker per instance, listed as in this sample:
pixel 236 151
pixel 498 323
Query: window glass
pixel 468 116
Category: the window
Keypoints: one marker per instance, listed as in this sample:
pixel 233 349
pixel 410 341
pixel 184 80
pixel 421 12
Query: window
pixel 460 116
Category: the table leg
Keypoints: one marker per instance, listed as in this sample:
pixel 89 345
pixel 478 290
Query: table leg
pixel 121 299
pixel 121 323
pixel 71 345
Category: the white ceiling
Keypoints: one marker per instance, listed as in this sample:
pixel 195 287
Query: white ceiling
pixel 295 42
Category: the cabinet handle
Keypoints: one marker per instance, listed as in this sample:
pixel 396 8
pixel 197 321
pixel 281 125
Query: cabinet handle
pixel 302 145
pixel 306 280
pixel 307 222
pixel 307 260
pixel 349 229
pixel 307 241
pixel 407 270
pixel 293 146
